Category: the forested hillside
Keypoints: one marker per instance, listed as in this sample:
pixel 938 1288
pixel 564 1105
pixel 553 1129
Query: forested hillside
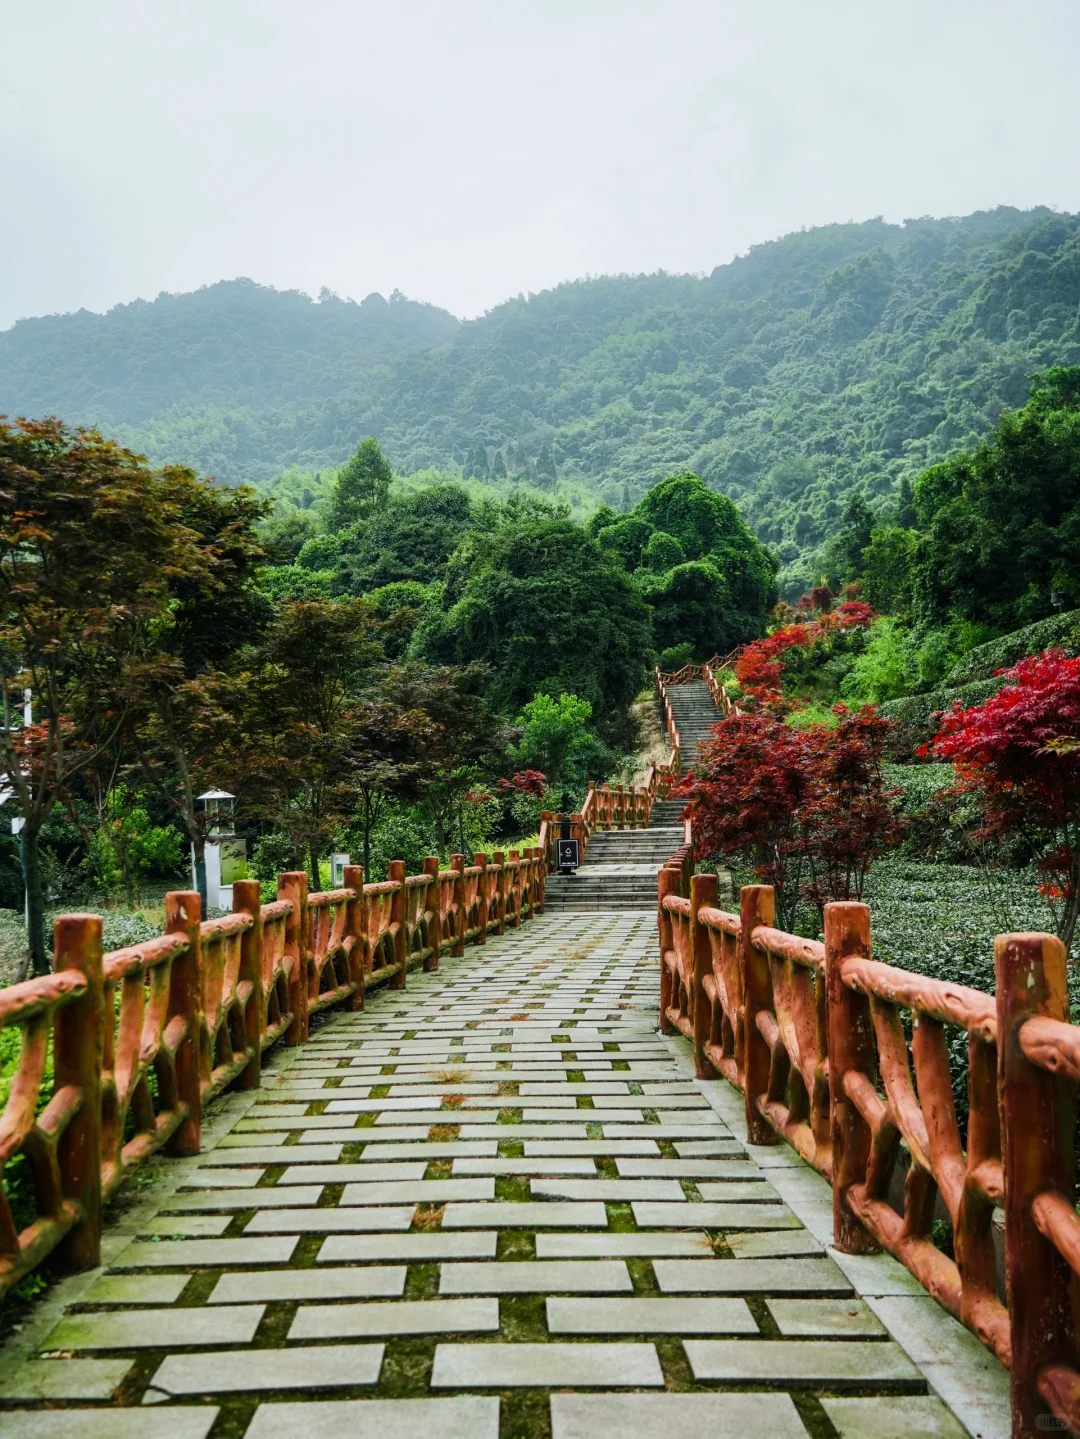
pixel 830 362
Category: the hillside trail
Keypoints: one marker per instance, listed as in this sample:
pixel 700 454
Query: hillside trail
pixel 496 1204
pixel 619 867
pixel 493 1204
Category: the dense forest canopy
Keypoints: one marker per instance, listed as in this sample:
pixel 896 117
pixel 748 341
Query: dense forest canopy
pixel 831 363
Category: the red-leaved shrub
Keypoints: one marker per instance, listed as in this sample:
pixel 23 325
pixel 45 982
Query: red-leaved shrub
pixel 1018 753
pixel 808 808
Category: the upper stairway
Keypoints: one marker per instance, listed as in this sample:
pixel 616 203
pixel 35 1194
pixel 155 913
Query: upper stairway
pixel 620 866
pixel 695 714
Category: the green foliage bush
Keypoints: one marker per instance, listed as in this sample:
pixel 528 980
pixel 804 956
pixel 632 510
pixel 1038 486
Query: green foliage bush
pixel 547 610
pixel 914 714
pixel 983 662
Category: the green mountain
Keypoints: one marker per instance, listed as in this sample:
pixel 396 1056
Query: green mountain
pixel 830 362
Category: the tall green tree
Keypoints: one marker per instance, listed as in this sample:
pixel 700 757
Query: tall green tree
pixel 476 462
pixel 89 536
pixel 546 474
pixel 361 487
pixel 320 657
pixel 545 609
pixel 186 703
pixel 1002 524
pixel 710 528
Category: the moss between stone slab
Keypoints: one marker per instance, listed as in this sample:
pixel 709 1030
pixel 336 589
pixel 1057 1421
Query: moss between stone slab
pixel 818 1423
pixel 515 1244
pixel 422 1282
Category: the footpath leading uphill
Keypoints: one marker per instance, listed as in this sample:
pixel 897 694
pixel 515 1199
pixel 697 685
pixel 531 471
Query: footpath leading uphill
pixel 420 1188
pixel 496 1204
pixel 620 865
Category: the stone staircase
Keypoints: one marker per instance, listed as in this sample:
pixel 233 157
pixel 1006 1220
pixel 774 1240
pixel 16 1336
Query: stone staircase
pixel 620 865
pixel 695 714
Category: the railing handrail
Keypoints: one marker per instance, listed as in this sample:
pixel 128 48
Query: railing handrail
pixel 198 1007
pixel 814 1035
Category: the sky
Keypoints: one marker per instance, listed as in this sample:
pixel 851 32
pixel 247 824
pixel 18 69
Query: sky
pixel 464 151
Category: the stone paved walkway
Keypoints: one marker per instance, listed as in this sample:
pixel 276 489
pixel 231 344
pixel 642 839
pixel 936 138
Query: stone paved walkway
pixel 493 1205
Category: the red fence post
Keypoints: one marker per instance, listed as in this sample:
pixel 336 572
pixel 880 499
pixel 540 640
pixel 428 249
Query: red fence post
pixel 78 1054
pixel 757 906
pixel 667 883
pixel 541 877
pixel 246 898
pixel 482 896
pixel 515 886
pixel 457 862
pixel 851 1049
pixel 293 886
pixel 356 926
pixel 702 893
pixel 183 915
pixel 1037 1118
pixel 434 903
pixel 500 892
pixel 396 874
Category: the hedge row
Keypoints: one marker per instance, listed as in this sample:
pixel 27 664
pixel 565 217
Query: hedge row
pixel 983 662
pixel 913 714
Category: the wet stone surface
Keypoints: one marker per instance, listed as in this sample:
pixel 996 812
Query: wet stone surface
pixel 494 1203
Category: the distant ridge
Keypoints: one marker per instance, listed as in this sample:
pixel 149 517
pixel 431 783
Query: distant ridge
pixel 830 361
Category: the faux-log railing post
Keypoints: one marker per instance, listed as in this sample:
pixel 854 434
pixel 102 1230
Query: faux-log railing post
pixel 480 861
pixel 433 903
pixel 703 889
pixel 356 925
pixel 247 899
pixel 757 906
pixel 183 915
pixel 293 886
pixel 457 862
pixel 851 1049
pixel 498 858
pixel 396 874
pixel 1037 1150
pixel 78 1052
pixel 515 887
pixel 668 881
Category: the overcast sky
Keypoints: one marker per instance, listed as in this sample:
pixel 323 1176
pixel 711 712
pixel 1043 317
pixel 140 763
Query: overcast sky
pixel 465 150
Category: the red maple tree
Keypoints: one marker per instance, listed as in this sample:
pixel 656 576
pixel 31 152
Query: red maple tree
pixel 526 781
pixel 851 819
pixel 807 808
pixel 1018 754
pixel 760 666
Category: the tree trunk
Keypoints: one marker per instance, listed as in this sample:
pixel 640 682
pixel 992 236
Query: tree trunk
pixel 199 844
pixel 35 899
pixel 313 855
pixel 1072 906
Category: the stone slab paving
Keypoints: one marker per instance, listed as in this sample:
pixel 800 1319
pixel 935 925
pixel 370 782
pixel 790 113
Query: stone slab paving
pixel 497 1204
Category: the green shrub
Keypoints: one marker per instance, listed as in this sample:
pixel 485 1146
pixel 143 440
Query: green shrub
pixel 675 656
pixel 914 714
pixel 982 663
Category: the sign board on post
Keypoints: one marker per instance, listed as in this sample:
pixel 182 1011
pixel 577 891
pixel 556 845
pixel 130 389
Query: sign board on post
pixel 569 853
pixel 226 861
pixel 338 863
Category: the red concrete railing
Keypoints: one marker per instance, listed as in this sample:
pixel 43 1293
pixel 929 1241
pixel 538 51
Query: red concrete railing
pixel 606 807
pixel 143 1038
pixel 848 1060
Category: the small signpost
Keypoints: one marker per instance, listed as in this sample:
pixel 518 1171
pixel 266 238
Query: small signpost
pixel 567 849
